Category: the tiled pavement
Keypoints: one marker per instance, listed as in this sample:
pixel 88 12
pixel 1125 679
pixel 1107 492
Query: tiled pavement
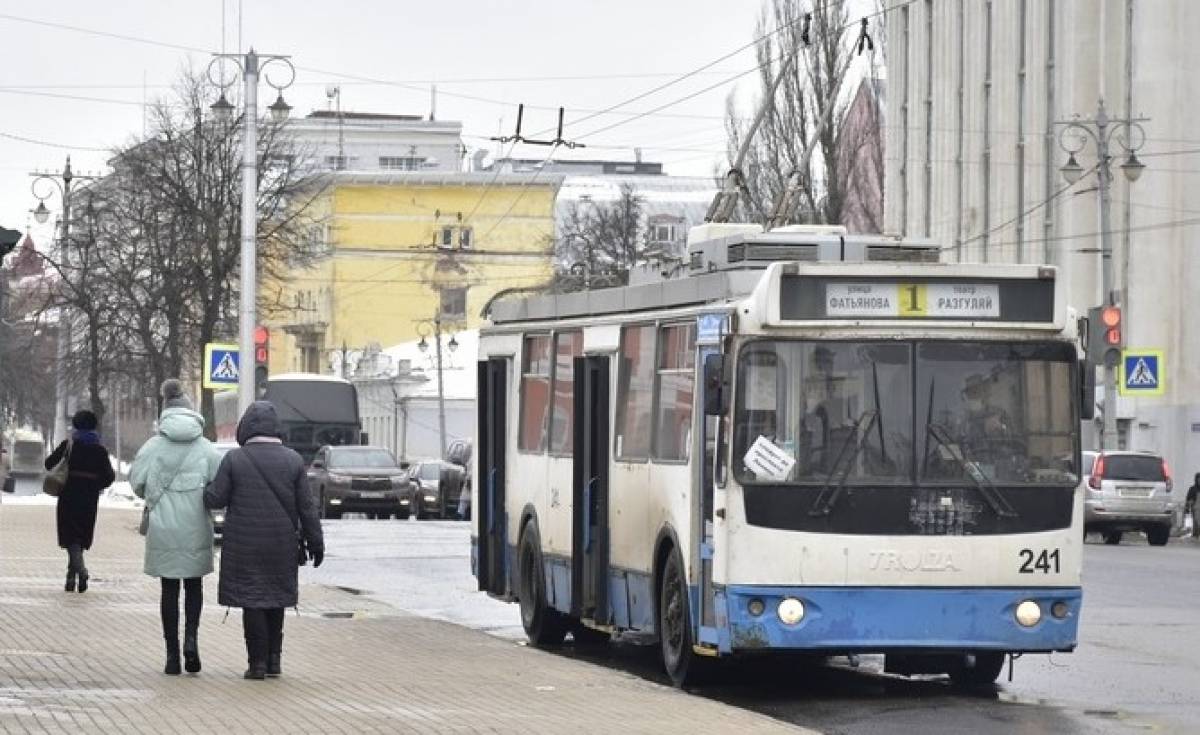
pixel 92 663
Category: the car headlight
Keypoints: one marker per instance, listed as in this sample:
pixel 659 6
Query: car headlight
pixel 1028 613
pixel 218 517
pixel 339 479
pixel 430 498
pixel 791 611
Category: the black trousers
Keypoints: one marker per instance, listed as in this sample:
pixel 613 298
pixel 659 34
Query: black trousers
pixel 263 629
pixel 193 601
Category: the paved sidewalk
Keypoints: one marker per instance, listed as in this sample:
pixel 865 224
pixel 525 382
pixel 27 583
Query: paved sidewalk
pixel 92 662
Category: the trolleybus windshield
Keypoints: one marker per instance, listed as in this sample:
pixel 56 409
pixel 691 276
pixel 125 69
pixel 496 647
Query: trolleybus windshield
pixel 880 413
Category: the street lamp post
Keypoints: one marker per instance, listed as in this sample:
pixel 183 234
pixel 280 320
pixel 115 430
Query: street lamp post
pixel 62 182
pixel 423 328
pixel 1072 138
pixel 252 65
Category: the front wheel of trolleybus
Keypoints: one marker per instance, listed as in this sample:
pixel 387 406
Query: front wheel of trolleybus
pixel 675 627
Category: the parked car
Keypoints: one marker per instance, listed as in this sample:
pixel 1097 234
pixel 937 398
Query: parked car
pixel 218 516
pixel 436 486
pixel 1128 491
pixel 363 479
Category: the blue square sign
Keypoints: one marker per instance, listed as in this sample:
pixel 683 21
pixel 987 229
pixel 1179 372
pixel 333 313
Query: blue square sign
pixel 1142 372
pixel 220 366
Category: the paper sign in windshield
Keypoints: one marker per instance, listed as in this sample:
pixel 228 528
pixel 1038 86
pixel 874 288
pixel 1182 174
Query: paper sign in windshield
pixel 767 461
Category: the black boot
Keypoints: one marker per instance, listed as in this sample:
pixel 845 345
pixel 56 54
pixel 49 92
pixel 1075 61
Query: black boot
pixel 172 667
pixel 70 585
pixel 275 656
pixel 274 642
pixel 74 562
pixel 256 630
pixel 191 652
pixel 83 579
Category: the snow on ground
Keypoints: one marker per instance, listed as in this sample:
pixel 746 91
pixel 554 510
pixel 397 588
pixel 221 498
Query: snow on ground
pixel 422 567
pixel 29 492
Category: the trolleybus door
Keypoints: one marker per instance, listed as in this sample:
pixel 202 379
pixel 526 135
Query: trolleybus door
pixel 491 528
pixel 589 558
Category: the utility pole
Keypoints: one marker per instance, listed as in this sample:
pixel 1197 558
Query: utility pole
pixel 1073 137
pixel 436 324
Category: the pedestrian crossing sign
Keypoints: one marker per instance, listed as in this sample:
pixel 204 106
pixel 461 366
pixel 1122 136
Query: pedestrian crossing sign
pixel 1142 372
pixel 220 366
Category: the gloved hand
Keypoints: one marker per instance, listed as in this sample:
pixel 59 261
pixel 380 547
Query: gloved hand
pixel 318 556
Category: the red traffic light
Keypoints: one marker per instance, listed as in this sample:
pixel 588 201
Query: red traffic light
pixel 1110 316
pixel 261 336
pixel 1112 337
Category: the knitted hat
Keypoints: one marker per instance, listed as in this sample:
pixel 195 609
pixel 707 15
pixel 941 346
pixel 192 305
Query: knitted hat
pixel 173 395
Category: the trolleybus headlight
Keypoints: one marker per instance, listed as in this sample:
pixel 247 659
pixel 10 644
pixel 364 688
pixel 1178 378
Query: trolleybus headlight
pixel 791 611
pixel 756 607
pixel 1060 609
pixel 1029 613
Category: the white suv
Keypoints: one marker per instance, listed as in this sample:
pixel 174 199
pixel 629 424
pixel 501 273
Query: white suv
pixel 1128 491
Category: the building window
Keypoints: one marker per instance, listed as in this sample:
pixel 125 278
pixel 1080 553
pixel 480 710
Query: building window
pixel 337 163
pixel 535 394
pixel 663 233
pixel 676 384
pixel 567 347
pixel 465 238
pixel 402 163
pixel 447 237
pixel 635 393
pixel 454 303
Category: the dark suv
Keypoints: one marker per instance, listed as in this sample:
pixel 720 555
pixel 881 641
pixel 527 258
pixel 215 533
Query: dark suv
pixel 349 479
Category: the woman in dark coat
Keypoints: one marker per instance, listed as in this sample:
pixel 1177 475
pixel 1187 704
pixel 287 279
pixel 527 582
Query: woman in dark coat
pixel 264 487
pixel 90 471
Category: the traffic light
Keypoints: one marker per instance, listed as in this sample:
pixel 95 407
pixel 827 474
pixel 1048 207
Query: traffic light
pixel 262 354
pixel 1106 334
pixel 8 241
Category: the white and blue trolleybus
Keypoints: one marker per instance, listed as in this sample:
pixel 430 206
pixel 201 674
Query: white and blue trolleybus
pixel 808 442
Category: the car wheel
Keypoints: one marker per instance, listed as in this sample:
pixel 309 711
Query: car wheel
pixel 544 625
pixel 1112 538
pixel 1158 536
pixel 979 669
pixel 402 515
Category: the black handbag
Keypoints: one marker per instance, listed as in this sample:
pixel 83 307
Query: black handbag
pixel 302 554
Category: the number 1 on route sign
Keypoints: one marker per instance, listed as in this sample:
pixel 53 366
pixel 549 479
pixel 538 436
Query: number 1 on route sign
pixel 221 366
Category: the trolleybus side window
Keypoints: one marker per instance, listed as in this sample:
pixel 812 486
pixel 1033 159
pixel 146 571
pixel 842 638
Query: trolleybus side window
pixel 676 387
pixel 535 394
pixel 635 394
pixel 567 346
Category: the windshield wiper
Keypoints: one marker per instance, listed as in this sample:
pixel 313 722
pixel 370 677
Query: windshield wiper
pixel 828 496
pixel 990 492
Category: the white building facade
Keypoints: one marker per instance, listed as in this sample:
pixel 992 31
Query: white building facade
pixel 976 91
pixel 362 141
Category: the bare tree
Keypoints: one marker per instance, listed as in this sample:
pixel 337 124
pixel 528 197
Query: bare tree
pixel 154 256
pixel 808 110
pixel 599 243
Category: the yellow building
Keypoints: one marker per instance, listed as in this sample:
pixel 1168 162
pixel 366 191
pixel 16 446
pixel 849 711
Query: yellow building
pixel 403 248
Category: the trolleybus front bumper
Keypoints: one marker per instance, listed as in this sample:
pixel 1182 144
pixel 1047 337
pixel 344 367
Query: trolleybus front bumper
pixel 879 619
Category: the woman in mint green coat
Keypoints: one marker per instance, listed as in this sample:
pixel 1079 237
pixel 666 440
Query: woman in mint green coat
pixel 170 472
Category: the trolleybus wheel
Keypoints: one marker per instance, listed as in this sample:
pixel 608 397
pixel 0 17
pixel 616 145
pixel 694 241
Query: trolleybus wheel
pixel 675 625
pixel 1112 538
pixel 1158 536
pixel 979 669
pixel 544 625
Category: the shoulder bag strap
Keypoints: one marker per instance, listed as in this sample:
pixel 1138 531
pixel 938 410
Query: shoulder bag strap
pixel 178 469
pixel 274 491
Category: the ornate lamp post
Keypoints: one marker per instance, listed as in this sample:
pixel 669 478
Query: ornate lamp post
pixel 1073 137
pixel 252 65
pixel 427 328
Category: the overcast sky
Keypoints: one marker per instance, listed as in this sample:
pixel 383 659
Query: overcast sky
pixel 505 51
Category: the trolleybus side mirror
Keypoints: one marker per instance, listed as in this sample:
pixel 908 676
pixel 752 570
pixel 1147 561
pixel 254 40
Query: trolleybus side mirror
pixel 1087 390
pixel 716 385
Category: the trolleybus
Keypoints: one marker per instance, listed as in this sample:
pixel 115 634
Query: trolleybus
pixel 811 442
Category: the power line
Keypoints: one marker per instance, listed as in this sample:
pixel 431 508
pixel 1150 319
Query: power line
pixel 72 97
pixel 34 141
pixel 104 34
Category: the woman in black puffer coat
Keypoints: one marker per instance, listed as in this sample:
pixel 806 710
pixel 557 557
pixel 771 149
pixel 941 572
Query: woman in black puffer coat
pixel 264 486
pixel 90 471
